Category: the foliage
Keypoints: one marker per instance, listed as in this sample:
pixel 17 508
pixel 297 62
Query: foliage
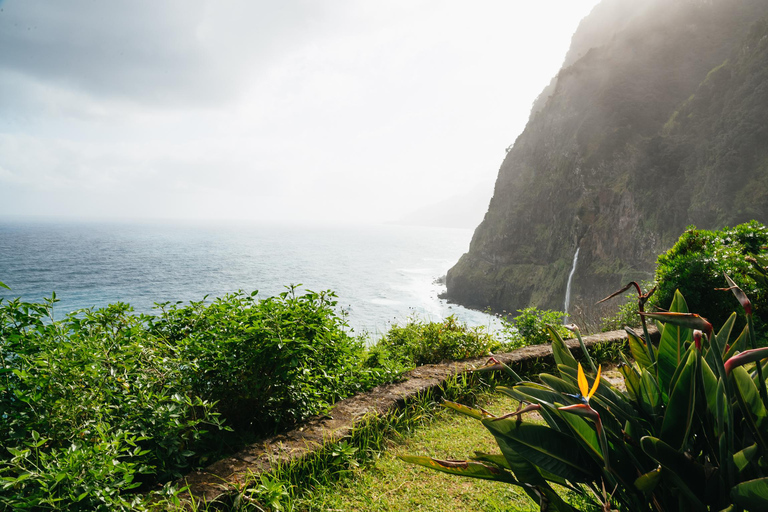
pixel 269 363
pixel 91 409
pixel 626 315
pixel 419 342
pixel 696 263
pixel 689 432
pixel 105 403
pixel 529 327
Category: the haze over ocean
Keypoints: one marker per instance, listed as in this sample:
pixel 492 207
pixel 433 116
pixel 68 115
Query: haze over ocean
pixel 381 274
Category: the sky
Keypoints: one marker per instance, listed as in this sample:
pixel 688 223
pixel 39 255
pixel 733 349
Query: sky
pixel 333 111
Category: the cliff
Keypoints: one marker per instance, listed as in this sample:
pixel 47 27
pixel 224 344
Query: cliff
pixel 656 121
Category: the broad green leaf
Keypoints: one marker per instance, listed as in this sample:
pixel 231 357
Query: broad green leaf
pixel 709 380
pixel 672 346
pixel 724 334
pixel 533 393
pixel 682 402
pixel 753 408
pixel 497 459
pixel 553 451
pixel 752 495
pixel 650 395
pixel 741 459
pixel 631 381
pixel 467 411
pixel 559 385
pixel 639 350
pixel 648 481
pixel 523 470
pixel 501 461
pixel 3 285
pixel 560 350
pixel 466 468
pixel 687 476
pixel 585 431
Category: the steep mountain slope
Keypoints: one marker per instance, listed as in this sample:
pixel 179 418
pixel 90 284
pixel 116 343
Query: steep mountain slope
pixel 657 121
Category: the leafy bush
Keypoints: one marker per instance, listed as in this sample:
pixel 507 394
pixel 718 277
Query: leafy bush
pixel 529 327
pixel 419 342
pixel 689 432
pixel 627 315
pixel 696 263
pixel 105 403
pixel 91 408
pixel 269 363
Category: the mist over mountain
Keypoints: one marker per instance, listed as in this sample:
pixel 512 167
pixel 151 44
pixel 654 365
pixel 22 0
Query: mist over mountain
pixel 656 121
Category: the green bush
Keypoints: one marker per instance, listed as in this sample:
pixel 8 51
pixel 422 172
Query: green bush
pixel 627 315
pixel 105 403
pixel 269 363
pixel 90 409
pixel 529 327
pixel 419 342
pixel 695 266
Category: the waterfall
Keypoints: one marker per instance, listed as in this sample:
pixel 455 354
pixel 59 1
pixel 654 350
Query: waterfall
pixel 568 287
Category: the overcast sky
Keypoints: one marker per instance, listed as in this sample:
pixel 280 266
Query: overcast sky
pixel 313 110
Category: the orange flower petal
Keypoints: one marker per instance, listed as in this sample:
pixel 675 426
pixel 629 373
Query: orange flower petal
pixel 596 383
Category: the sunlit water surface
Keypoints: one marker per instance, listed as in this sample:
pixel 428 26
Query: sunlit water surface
pixel 381 274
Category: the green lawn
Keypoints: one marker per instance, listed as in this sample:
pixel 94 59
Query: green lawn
pixel 393 485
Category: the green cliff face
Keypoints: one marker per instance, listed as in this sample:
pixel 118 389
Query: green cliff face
pixel 658 120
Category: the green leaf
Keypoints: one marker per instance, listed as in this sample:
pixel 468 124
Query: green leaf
pixel 709 380
pixel 465 468
pixel 497 459
pixel 631 381
pixel 559 385
pixel 672 346
pixel 639 350
pixel 743 457
pixel 752 495
pixel 687 476
pixel 682 403
pixel 648 481
pixel 560 350
pixel 467 411
pixel 650 395
pixel 749 400
pixel 584 431
pixel 530 392
pixel 553 451
pixel 740 345
pixel 3 285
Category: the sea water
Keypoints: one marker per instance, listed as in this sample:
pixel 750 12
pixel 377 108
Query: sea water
pixel 382 274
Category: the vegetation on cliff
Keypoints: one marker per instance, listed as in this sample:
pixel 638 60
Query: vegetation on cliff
pixel 654 123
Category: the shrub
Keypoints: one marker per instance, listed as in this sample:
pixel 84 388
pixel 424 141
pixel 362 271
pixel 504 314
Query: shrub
pixel 689 432
pixel 269 363
pixel 529 327
pixel 419 342
pixel 105 403
pixel 90 409
pixel 627 315
pixel 696 263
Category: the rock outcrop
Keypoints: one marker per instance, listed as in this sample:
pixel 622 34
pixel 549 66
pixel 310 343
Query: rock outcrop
pixel 658 120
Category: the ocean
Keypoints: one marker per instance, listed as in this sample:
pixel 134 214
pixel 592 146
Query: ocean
pixel 383 274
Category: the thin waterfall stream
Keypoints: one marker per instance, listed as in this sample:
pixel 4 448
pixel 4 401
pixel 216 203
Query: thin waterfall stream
pixel 568 287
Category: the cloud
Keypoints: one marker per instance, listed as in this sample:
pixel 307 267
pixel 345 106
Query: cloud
pixel 303 109
pixel 170 53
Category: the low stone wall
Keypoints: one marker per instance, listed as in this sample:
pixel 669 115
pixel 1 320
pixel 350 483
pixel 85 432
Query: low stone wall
pixel 231 473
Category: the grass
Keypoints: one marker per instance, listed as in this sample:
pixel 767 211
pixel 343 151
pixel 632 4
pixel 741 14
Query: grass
pixel 389 484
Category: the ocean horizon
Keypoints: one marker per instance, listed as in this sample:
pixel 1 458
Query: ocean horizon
pixel 382 274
